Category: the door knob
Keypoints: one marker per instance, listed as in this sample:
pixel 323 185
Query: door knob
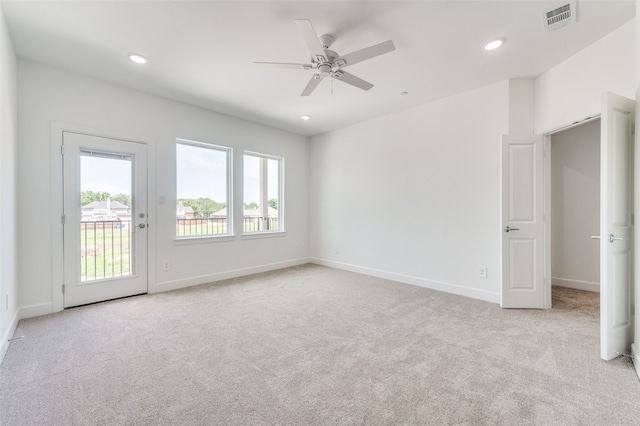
pixel 142 225
pixel 613 238
pixel 507 229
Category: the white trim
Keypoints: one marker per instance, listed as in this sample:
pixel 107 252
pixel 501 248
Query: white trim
pixel 57 257
pixel 576 284
pixel 235 273
pixel 57 260
pixel 203 239
pixel 574 124
pixel 8 334
pixel 546 169
pixel 487 296
pixel 263 234
pixel 35 310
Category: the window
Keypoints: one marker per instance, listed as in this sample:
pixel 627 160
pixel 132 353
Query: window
pixel 203 189
pixel 262 193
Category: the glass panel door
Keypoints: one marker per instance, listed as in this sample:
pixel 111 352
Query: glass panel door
pixel 105 208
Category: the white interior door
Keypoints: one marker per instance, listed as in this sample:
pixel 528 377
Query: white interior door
pixel 105 218
pixel 523 281
pixel 616 226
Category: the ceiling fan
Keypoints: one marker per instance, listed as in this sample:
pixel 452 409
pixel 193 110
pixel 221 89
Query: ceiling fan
pixel 327 63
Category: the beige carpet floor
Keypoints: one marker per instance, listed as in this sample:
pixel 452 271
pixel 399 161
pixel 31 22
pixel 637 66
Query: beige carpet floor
pixel 314 345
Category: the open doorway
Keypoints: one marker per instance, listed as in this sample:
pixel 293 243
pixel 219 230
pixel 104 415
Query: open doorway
pixel 575 208
pixel 526 236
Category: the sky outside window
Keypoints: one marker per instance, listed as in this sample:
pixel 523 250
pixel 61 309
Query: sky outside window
pixel 201 173
pixel 99 174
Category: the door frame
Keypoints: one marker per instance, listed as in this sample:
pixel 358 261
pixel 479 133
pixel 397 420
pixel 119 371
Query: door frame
pixel 547 201
pixel 57 192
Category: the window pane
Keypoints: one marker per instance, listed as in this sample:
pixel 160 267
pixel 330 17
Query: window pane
pixel 273 193
pixel 262 196
pixel 202 190
pixel 106 242
pixel 252 214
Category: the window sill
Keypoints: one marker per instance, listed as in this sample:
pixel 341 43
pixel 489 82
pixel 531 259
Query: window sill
pixel 180 241
pixel 266 234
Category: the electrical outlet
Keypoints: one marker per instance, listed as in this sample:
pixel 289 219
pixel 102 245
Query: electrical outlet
pixel 482 271
pixel 165 265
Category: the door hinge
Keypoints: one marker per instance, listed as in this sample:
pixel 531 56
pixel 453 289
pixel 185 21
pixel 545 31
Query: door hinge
pixel 63 288
pixel 63 219
pixel 61 149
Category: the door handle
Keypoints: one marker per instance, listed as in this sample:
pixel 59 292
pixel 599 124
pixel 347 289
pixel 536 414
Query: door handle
pixel 508 229
pixel 613 238
pixel 142 225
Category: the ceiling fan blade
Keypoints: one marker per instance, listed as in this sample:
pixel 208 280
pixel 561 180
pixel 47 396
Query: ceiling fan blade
pixel 312 40
pixel 313 83
pixel 352 80
pixel 364 54
pixel 287 65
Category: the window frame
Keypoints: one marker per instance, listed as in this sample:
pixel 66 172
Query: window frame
pixel 264 187
pixel 181 239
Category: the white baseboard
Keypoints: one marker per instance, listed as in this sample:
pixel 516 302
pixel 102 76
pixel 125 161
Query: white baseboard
pixel 8 335
pixel 225 275
pixel 473 293
pixel 35 310
pixel 636 360
pixel 576 284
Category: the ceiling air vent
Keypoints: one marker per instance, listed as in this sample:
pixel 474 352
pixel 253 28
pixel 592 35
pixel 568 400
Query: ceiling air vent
pixel 559 17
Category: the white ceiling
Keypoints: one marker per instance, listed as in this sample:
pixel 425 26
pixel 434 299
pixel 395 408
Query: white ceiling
pixel 202 52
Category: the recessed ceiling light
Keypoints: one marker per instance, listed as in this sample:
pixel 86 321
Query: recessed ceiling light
pixel 494 44
pixel 305 117
pixel 138 59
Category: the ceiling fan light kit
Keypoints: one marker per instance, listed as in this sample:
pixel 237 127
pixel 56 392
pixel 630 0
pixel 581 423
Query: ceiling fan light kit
pixel 327 63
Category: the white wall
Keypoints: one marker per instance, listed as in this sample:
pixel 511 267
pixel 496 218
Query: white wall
pixel 414 196
pixel 575 207
pixel 8 187
pixel 47 94
pixel 572 90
